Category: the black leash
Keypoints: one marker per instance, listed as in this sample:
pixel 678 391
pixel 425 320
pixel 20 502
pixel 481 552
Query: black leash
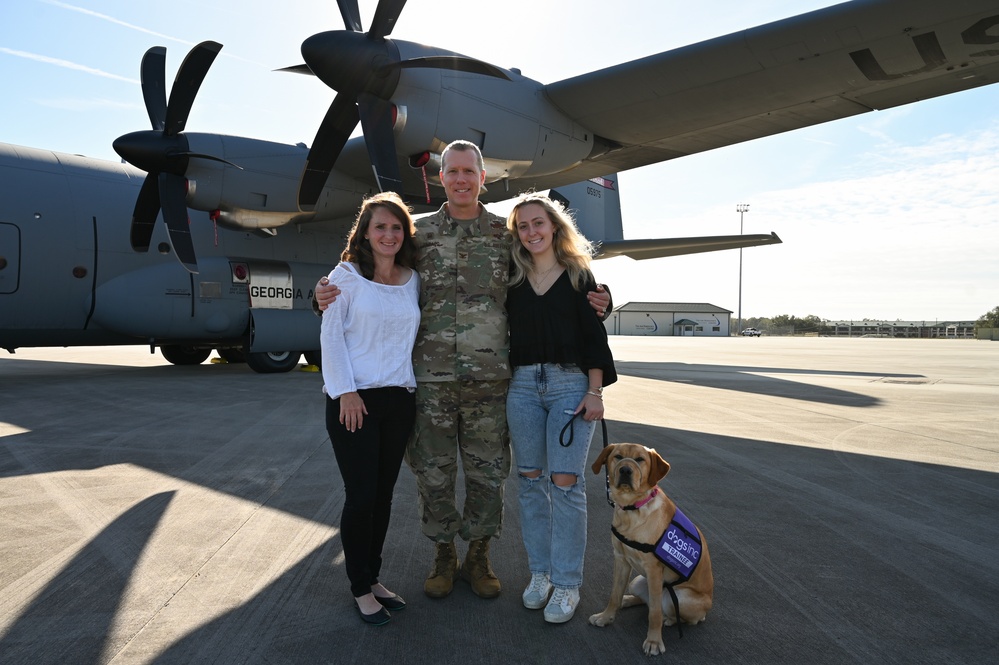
pixel 568 427
pixel 566 444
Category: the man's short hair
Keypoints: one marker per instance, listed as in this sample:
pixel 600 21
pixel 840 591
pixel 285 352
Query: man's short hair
pixel 462 145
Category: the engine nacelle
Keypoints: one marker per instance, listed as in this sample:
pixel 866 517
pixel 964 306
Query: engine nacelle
pixel 520 132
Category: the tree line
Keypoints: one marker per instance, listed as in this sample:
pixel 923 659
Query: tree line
pixel 786 324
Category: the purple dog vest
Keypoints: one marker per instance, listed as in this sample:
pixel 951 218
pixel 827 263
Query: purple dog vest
pixel 680 547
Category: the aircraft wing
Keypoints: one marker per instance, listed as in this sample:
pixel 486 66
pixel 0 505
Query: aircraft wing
pixel 654 249
pixel 824 65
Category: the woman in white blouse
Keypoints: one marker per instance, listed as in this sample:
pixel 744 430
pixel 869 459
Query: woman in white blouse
pixel 367 345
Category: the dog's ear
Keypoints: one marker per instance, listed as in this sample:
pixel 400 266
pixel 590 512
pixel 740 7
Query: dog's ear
pixel 658 467
pixel 601 458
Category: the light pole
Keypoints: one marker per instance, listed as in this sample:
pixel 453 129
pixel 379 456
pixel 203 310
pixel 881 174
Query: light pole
pixel 742 209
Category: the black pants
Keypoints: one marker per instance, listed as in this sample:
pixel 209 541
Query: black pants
pixel 369 460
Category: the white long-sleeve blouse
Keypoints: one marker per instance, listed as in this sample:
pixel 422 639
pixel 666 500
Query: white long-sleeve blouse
pixel 368 333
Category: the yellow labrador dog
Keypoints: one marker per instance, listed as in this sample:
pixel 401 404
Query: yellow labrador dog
pixel 647 526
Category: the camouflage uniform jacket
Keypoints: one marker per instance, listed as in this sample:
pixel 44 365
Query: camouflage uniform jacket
pixel 463 328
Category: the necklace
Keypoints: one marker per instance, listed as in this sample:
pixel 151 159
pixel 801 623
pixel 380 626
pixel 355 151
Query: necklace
pixel 539 281
pixel 390 279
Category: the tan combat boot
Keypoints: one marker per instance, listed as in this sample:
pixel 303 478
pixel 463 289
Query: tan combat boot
pixel 441 579
pixel 477 571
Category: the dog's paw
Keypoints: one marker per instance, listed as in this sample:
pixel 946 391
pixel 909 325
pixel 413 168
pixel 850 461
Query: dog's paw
pixel 631 601
pixel 653 647
pixel 601 619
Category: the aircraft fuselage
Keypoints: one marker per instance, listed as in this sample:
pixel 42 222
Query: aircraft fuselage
pixel 68 275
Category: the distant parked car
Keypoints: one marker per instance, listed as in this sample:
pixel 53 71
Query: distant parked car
pixel 751 332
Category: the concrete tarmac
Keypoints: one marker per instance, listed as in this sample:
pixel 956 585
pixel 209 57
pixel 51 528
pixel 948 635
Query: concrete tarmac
pixel 848 489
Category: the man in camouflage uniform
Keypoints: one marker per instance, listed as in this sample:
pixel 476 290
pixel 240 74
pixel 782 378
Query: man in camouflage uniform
pixel 462 372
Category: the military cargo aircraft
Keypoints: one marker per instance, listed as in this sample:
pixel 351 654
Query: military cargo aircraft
pixel 254 223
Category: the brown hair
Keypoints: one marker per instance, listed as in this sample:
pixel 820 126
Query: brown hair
pixel 462 145
pixel 358 249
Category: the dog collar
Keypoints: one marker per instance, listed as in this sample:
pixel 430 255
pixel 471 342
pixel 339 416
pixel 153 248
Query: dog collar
pixel 639 504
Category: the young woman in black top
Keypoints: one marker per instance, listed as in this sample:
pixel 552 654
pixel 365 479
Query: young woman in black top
pixel 561 362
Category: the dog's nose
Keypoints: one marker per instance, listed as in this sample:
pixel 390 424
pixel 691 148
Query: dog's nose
pixel 624 476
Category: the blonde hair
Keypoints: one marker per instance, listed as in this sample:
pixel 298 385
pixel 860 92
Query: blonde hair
pixel 572 250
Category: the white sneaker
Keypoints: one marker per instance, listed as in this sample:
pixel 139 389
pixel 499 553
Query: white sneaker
pixel 536 593
pixel 562 605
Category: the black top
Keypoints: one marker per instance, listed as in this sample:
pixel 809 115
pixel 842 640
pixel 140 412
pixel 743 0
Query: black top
pixel 558 327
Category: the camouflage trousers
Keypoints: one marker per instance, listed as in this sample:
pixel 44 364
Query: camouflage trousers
pixel 466 419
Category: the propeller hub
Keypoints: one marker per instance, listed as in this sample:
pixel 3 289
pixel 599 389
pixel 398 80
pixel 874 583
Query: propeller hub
pixel 353 62
pixel 153 151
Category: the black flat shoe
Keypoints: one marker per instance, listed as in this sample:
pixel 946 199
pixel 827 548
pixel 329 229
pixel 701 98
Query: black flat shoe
pixel 393 603
pixel 379 618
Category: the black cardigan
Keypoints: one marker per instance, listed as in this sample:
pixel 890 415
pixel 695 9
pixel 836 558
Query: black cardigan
pixel 558 327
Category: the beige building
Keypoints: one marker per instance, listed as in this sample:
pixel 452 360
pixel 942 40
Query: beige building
pixel 665 319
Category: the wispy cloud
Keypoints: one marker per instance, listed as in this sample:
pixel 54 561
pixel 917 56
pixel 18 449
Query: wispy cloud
pixel 819 141
pixel 76 104
pixel 66 64
pixel 130 26
pixel 111 19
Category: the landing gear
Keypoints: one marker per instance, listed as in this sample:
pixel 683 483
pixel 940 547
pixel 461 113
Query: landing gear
pixel 272 363
pixel 177 354
pixel 262 363
pixel 232 356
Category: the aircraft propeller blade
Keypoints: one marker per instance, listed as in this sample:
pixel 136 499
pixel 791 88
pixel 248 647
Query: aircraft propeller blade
pixel 173 192
pixel 147 207
pixel 297 69
pixel 163 152
pixel 351 15
pixel 377 121
pixel 386 14
pixel 452 62
pixel 335 129
pixel 187 83
pixel 364 70
pixel 153 79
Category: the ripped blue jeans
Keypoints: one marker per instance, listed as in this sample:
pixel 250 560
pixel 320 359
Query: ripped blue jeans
pixel 539 403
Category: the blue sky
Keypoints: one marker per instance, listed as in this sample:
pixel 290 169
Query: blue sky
pixel 890 215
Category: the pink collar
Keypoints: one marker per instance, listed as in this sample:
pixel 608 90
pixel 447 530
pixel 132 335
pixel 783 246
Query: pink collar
pixel 639 504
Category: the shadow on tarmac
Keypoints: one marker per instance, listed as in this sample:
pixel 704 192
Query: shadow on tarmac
pixel 820 556
pixel 752 380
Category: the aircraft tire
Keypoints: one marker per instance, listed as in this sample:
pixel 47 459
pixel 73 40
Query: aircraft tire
pixel 177 354
pixel 314 357
pixel 274 362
